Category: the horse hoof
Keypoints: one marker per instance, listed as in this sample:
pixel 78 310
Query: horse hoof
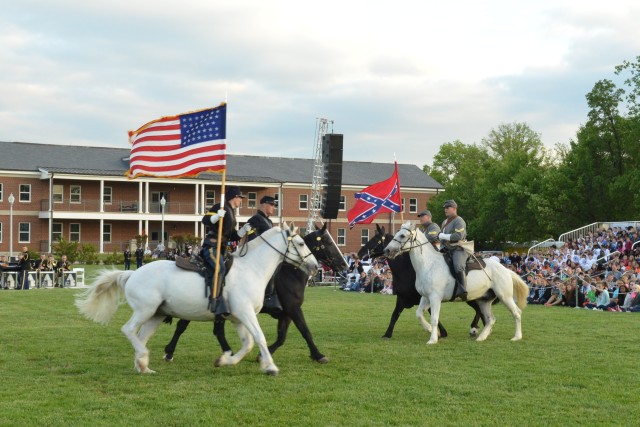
pixel 148 371
pixel 272 372
pixel 323 360
pixel 218 362
pixel 168 358
pixel 431 342
pixel 384 337
pixel 516 338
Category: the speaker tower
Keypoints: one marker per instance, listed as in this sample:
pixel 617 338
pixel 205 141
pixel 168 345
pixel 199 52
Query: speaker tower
pixel 332 179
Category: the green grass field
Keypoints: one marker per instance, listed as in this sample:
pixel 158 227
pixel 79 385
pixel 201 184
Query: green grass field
pixel 572 367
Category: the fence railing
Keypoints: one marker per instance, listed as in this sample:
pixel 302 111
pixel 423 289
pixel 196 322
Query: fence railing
pixel 124 206
pixel 583 231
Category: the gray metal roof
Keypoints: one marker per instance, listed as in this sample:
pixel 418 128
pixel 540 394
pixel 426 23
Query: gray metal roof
pixel 108 161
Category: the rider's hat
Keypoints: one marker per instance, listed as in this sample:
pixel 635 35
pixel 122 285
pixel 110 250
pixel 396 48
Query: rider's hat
pixel 450 204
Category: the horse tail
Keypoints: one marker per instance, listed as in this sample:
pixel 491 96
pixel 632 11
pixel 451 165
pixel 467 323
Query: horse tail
pixel 101 300
pixel 520 290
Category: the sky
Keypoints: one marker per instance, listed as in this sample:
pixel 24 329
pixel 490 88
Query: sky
pixel 397 78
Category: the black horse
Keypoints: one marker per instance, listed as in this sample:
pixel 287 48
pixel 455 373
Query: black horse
pixel 404 282
pixel 290 283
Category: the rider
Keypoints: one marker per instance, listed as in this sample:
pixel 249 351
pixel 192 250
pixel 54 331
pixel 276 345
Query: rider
pixel 430 229
pixel 260 223
pixel 233 200
pixel 454 230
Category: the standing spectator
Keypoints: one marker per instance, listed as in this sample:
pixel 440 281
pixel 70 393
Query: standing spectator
pixel 127 259
pixel 139 254
pixel 24 265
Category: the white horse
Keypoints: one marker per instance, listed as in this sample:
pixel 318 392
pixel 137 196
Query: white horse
pixel 435 283
pixel 161 289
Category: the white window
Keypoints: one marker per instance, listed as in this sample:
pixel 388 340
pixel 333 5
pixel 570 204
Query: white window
pixel 364 237
pixel 252 198
pixel 303 202
pixel 209 198
pixel 75 194
pixel 56 232
pixel 342 236
pixel 413 205
pixel 24 232
pixel 25 193
pixel 106 233
pixel 1 191
pixel 343 203
pixel 74 232
pixel 0 232
pixel 107 196
pixel 58 193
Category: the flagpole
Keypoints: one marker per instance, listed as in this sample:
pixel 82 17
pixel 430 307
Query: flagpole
pixel 395 161
pixel 214 292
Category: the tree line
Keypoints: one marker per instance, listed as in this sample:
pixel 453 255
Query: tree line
pixel 510 187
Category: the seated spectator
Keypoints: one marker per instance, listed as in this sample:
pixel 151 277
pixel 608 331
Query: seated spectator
pixel 557 292
pixel 632 299
pixel 590 298
pixel 361 283
pixel 569 297
pixel 542 293
pixel 388 284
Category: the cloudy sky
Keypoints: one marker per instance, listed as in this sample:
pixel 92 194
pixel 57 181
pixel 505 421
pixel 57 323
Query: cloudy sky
pixel 402 76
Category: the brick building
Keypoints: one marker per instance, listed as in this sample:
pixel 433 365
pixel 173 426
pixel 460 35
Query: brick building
pixel 82 194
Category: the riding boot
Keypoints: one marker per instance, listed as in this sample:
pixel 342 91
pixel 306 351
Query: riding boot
pixel 220 305
pixel 271 300
pixel 461 286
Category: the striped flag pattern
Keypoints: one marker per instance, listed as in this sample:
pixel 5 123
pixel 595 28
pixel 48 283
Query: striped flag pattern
pixel 180 146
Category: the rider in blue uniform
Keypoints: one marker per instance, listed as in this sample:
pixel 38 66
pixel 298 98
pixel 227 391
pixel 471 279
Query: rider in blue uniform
pixel 233 200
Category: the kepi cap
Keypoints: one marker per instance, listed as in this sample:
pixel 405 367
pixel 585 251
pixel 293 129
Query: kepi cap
pixel 450 204
pixel 270 200
pixel 424 212
pixel 233 192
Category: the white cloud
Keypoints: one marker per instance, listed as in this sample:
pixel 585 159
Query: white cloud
pixel 403 76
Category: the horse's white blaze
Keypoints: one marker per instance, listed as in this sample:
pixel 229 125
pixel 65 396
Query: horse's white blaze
pixel 436 284
pixel 160 289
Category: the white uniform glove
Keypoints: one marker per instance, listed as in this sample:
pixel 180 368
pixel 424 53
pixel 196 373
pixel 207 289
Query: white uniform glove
pixel 244 230
pixel 216 217
pixel 443 236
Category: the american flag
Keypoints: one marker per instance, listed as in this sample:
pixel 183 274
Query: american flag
pixel 377 198
pixel 180 146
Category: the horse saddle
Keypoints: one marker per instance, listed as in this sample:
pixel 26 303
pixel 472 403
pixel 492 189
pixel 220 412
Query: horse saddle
pixel 196 263
pixel 473 263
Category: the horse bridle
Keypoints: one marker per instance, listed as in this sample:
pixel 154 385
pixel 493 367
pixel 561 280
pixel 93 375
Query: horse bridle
pixel 409 241
pixel 287 240
pixel 319 247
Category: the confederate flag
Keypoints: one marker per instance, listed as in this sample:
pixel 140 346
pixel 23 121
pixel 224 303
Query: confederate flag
pixel 377 198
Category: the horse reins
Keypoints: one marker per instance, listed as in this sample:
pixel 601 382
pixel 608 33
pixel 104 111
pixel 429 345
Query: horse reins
pixel 287 241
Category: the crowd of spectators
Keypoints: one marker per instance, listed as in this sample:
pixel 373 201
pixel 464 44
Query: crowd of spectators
pixel 367 275
pixel 598 271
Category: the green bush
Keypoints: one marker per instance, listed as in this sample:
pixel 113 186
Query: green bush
pixel 88 254
pixel 113 258
pixel 62 247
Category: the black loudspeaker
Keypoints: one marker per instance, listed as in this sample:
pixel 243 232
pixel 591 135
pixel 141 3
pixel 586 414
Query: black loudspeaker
pixel 332 177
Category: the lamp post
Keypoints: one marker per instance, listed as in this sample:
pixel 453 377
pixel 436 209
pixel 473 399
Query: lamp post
pixel 11 200
pixel 162 203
